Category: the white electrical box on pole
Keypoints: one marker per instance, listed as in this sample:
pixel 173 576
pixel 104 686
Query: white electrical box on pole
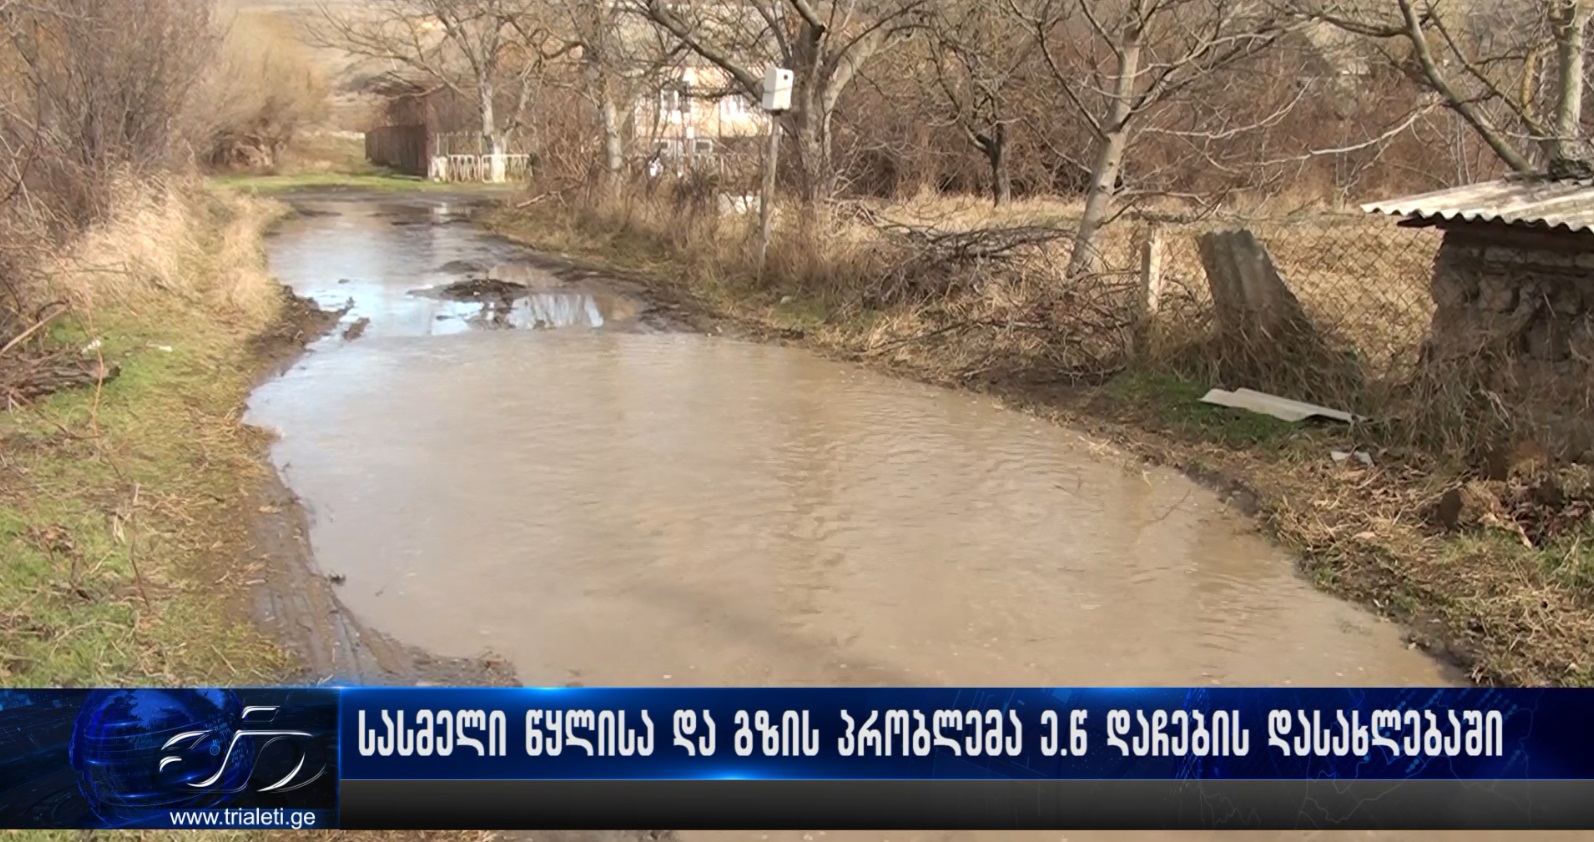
pixel 777 89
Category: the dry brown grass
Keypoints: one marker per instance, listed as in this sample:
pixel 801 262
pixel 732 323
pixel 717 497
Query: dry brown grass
pixel 892 285
pixel 1362 281
pixel 892 278
pixel 165 243
pixel 963 212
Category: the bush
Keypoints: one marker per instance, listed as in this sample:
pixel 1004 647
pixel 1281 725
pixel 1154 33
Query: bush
pixel 91 89
pixel 262 92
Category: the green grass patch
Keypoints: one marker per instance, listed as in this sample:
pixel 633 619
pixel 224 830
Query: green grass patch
pixel 801 311
pixel 1569 559
pixel 1175 403
pixel 367 180
pixel 123 549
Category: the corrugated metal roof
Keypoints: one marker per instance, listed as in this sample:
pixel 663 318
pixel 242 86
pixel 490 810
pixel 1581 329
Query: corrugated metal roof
pixel 1566 204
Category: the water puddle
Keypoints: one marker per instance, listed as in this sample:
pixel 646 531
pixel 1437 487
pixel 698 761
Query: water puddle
pixel 402 270
pixel 673 509
pixel 490 305
pixel 647 508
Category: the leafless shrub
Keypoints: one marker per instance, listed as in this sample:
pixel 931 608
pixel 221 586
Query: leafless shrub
pixel 93 96
pixel 100 84
pixel 260 94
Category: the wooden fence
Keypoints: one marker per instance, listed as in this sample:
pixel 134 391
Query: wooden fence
pixel 405 149
pixel 442 156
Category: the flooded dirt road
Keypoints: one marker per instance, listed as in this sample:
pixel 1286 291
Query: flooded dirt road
pixel 607 502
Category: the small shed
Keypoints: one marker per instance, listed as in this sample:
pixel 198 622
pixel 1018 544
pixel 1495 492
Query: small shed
pixel 1513 285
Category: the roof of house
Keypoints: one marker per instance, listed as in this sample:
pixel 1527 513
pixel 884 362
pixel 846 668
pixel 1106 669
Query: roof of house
pixel 1555 204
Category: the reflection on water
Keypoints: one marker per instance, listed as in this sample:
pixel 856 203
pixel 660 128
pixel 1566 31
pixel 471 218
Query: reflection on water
pixel 545 309
pixel 661 509
pixel 354 255
pixel 537 310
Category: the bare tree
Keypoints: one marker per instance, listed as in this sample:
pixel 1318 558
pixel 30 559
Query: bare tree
pixel 824 43
pixel 596 29
pixel 484 51
pixel 621 57
pixel 979 55
pixel 1115 62
pixel 1513 70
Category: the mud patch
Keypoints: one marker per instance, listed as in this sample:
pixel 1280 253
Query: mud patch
pixel 298 323
pixel 477 289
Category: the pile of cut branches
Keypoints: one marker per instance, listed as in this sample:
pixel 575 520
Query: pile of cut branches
pixel 941 263
pixel 30 369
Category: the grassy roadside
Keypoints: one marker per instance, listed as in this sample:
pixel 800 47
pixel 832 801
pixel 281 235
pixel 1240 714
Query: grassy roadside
pixel 340 168
pixel 119 505
pixel 379 181
pixel 125 509
pixel 1506 613
pixel 321 162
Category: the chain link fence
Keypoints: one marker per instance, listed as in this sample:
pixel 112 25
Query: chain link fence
pixel 1362 284
pixel 1359 287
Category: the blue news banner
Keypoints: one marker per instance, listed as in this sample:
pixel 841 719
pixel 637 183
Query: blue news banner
pixel 768 759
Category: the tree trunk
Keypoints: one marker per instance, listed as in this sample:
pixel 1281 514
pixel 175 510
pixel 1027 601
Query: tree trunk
pixel 492 139
pixel 1570 20
pixel 497 167
pixel 613 148
pixel 818 182
pixel 1111 145
pixel 995 148
pixel 811 128
pixel 807 97
pixel 822 178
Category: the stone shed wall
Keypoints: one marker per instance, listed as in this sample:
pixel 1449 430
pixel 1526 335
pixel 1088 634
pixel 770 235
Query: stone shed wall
pixel 1522 300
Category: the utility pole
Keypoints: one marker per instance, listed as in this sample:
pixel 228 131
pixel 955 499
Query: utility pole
pixel 777 100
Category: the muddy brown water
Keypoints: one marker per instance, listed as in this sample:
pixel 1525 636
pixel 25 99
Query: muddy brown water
pixel 606 504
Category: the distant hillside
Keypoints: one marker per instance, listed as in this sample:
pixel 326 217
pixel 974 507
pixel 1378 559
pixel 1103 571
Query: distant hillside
pixel 346 74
